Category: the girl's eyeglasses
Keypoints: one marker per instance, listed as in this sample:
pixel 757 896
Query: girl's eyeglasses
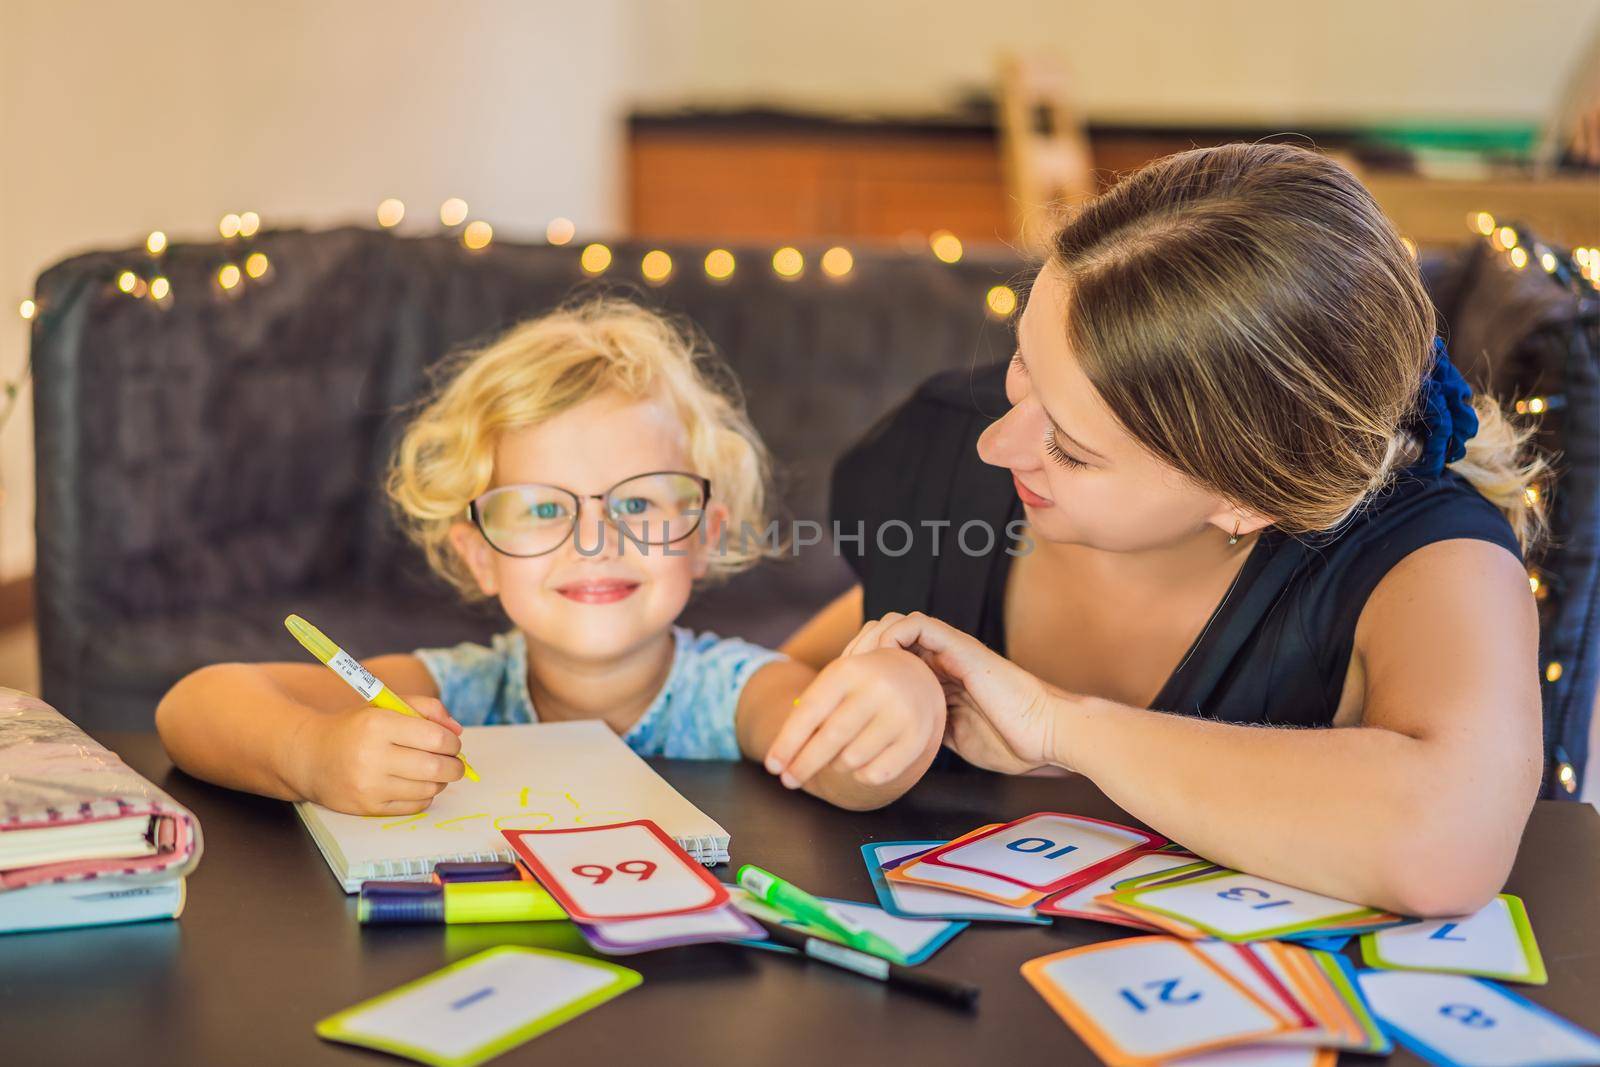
pixel 658 508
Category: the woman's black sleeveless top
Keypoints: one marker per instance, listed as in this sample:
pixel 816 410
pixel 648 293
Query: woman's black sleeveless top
pixel 1276 650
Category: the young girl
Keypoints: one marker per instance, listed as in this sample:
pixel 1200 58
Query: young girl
pixel 1274 604
pixel 587 471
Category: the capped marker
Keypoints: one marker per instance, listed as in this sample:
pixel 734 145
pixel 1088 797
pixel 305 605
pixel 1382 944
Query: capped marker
pixel 387 903
pixel 797 903
pixel 363 681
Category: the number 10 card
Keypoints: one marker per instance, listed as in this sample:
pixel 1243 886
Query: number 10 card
pixel 627 870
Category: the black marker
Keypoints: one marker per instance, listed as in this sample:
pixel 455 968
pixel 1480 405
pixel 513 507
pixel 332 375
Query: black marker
pixel 957 993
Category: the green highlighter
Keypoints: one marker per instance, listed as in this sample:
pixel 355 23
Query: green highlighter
pixel 792 900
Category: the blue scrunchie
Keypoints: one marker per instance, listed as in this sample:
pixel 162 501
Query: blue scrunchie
pixel 1446 420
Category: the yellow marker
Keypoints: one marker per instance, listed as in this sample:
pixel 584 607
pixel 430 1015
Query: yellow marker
pixel 361 680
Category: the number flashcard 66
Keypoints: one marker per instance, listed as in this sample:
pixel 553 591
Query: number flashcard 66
pixel 628 870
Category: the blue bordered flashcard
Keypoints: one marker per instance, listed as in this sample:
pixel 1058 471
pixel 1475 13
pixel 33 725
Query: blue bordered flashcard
pixel 1462 1021
pixel 909 901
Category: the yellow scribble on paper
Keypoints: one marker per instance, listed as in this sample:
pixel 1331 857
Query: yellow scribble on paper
pixel 522 798
pixel 511 822
pixel 407 821
pixel 442 823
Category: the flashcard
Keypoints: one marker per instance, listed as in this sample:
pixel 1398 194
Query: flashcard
pixel 914 939
pixel 921 902
pixel 480 1007
pixel 1455 1020
pixel 1497 942
pixel 624 938
pixel 1332 1024
pixel 966 883
pixel 1178 874
pixel 1080 903
pixel 1261 1056
pixel 1046 852
pixel 1145 1000
pixel 1324 944
pixel 628 870
pixel 1242 965
pixel 1342 980
pixel 1241 907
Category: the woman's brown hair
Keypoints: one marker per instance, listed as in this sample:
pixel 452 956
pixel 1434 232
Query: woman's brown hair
pixel 1252 317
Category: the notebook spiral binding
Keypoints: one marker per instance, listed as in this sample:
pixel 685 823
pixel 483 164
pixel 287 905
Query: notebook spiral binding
pixel 706 850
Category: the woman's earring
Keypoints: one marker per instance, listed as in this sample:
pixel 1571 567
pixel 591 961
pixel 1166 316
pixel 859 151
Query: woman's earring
pixel 1234 538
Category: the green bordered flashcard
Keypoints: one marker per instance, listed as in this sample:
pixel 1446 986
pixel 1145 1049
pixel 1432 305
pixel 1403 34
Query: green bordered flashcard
pixel 480 1007
pixel 1241 907
pixel 1497 942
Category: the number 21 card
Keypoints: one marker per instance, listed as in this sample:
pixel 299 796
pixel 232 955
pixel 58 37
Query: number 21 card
pixel 627 870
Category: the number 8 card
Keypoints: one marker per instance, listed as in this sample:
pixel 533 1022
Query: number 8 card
pixel 627 870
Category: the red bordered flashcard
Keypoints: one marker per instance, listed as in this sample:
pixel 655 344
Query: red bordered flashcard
pixel 626 870
pixel 1046 852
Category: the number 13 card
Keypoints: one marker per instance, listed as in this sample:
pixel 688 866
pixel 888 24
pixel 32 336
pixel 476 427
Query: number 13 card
pixel 628 870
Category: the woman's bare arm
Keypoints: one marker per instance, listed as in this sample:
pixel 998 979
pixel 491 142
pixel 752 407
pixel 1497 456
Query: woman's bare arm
pixel 821 640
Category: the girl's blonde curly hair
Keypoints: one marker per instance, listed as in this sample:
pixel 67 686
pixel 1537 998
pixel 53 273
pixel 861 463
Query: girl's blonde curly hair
pixel 542 367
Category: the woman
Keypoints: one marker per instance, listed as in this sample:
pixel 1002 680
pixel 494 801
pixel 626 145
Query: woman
pixel 1257 497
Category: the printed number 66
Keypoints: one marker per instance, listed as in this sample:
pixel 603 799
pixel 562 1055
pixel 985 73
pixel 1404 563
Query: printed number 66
pixel 641 869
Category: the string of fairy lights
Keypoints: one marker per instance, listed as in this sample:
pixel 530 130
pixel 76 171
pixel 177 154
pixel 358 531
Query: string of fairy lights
pixel 1578 270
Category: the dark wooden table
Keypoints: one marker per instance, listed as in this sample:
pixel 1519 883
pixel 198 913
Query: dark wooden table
pixel 269 944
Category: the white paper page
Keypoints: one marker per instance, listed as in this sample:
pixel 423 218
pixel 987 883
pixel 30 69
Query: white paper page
pixel 1473 1022
pixel 543 776
pixel 1042 850
pixel 471 1007
pixel 1154 997
pixel 925 900
pixel 1241 904
pixel 1486 942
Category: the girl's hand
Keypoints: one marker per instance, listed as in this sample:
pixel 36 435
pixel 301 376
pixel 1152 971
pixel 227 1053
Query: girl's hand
pixel 873 715
pixel 371 761
pixel 1000 716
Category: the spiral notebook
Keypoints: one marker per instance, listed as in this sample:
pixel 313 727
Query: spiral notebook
pixel 542 776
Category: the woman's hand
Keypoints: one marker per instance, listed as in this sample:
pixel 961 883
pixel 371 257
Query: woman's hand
pixel 873 715
pixel 1000 717
pixel 371 761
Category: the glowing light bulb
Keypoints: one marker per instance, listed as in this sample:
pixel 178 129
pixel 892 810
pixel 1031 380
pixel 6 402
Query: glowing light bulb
pixel 1547 260
pixel 1519 257
pixel 127 280
pixel 1531 494
pixel 656 266
pixel 595 259
pixel 1410 246
pixel 390 212
pixel 256 264
pixel 1507 237
pixel 560 231
pixel 1536 405
pixel 160 288
pixel 27 309
pixel 156 243
pixel 1552 671
pixel 477 235
pixel 946 246
pixel 453 211
pixel 1534 583
pixel 837 262
pixel 1001 301
pixel 228 276
pixel 1482 221
pixel 788 262
pixel 249 223
pixel 229 226
pixel 719 264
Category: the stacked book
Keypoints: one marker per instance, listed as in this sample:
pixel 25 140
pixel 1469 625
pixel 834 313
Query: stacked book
pixel 84 839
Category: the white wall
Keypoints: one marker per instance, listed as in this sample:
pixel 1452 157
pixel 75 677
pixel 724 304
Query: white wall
pixel 116 119
pixel 1215 60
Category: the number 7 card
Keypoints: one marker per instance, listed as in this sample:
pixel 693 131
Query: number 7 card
pixel 627 870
